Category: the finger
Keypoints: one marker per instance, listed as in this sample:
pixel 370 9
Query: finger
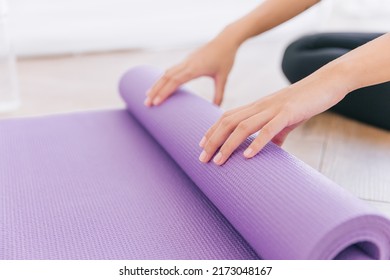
pixel 220 82
pixel 227 114
pixel 266 134
pixel 214 141
pixel 169 87
pixel 240 134
pixel 154 90
pixel 225 128
pixel 280 137
pixel 150 94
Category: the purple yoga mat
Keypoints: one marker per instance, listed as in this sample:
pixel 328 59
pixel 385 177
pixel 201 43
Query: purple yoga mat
pixel 128 185
pixel 97 186
pixel 283 208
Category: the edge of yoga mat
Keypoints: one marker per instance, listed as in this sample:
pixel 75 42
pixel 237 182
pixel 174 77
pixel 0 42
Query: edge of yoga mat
pixel 281 206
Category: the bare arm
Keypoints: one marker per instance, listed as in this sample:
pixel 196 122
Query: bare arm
pixel 279 113
pixel 367 65
pixel 216 58
pixel 266 16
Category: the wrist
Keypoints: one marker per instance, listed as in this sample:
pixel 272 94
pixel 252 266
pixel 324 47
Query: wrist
pixel 336 78
pixel 324 87
pixel 342 72
pixel 233 34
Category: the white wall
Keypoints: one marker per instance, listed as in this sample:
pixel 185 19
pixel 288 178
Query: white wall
pixel 360 15
pixel 41 27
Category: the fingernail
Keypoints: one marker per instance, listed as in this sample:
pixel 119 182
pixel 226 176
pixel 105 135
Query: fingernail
pixel 157 101
pixel 218 158
pixel 203 156
pixel 147 102
pixel 202 142
pixel 248 152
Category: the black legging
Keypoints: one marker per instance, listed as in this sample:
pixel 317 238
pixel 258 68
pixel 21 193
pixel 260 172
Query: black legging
pixel 305 55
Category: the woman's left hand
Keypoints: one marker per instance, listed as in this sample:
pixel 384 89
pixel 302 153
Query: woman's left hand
pixel 276 115
pixel 273 116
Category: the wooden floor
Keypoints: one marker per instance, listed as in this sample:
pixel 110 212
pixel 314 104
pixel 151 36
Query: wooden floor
pixel 354 155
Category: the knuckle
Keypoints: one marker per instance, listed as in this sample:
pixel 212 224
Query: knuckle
pixel 210 146
pixel 288 109
pixel 266 132
pixel 187 74
pixel 151 92
pixel 208 134
pixel 261 102
pixel 243 127
pixel 258 104
pixel 189 70
pixel 175 78
pixel 226 123
pixel 225 115
pixel 187 63
pixel 228 113
pixel 167 75
pixel 226 149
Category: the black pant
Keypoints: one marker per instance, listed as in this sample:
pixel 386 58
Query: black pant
pixel 305 55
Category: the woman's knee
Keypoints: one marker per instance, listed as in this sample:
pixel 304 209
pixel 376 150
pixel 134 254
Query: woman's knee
pixel 292 57
pixel 306 54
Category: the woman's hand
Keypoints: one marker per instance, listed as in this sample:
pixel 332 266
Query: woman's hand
pixel 215 60
pixel 217 57
pixel 274 117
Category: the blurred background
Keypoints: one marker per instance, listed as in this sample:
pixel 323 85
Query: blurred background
pixel 47 27
pixel 71 53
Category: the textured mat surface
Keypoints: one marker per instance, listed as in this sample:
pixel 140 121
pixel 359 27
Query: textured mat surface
pixel 97 186
pixel 128 185
pixel 282 207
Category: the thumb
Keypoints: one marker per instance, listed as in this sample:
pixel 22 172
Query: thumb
pixel 220 82
pixel 281 136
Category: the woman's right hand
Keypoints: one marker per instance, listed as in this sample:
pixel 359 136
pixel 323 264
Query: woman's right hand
pixel 214 60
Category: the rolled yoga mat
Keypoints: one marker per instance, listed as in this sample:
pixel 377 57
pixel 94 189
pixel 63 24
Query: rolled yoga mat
pixel 128 185
pixel 283 208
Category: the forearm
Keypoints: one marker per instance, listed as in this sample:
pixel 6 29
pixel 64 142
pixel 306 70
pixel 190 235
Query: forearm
pixel 367 65
pixel 267 15
pixel 276 115
pixel 364 66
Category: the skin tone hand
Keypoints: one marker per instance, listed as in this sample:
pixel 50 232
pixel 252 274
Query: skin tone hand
pixel 217 57
pixel 214 60
pixel 276 115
